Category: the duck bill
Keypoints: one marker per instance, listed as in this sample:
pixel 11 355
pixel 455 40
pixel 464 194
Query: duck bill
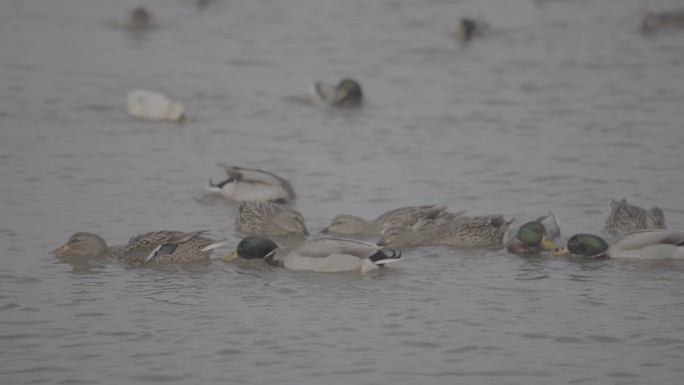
pixel 561 251
pixel 230 257
pixel 548 244
pixel 62 250
pixel 341 96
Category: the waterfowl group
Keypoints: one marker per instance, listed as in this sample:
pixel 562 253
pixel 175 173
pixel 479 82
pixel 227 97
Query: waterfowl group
pixel 150 248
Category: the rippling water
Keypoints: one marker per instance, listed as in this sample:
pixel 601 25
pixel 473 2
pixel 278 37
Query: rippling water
pixel 562 107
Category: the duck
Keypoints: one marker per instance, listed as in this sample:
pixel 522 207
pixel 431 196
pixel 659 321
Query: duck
pixel 149 105
pixel 157 247
pixel 470 28
pixel 666 20
pixel 403 216
pixel 328 255
pixel 137 19
pixel 463 231
pixel 534 236
pixel 248 184
pixel 347 93
pixel 269 218
pixel 641 244
pixel 624 218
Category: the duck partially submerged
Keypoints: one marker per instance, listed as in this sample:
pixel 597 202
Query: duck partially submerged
pixel 462 231
pixel 403 216
pixel 245 184
pixel 268 218
pixel 624 218
pixel 534 236
pixel 644 244
pixel 149 248
pixel 328 255
pixel 347 93
pixel 148 105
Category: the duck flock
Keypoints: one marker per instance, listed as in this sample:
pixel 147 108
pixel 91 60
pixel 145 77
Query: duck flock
pixel 263 213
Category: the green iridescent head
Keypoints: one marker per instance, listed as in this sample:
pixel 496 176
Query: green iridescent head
pixel 534 234
pixel 252 248
pixel 587 245
pixel 348 93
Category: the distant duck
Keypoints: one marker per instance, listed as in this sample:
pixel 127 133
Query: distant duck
pixel 137 19
pixel 328 255
pixel 470 28
pixel 404 216
pixel 245 184
pixel 345 94
pixel 268 218
pixel 624 218
pixel 643 244
pixel 150 105
pixel 462 231
pixel 654 22
pixel 534 236
pixel 149 248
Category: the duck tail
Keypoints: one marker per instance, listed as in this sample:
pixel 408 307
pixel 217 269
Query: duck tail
pixel 216 187
pixel 383 257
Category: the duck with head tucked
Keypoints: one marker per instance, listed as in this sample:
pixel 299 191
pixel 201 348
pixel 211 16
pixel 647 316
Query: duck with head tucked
pixel 462 231
pixel 643 244
pixel 149 248
pixel 245 184
pixel 269 218
pixel 624 218
pixel 347 93
pixel 533 237
pixel 321 254
pixel 404 217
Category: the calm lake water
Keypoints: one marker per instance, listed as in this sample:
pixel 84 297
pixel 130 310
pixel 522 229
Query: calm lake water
pixel 563 106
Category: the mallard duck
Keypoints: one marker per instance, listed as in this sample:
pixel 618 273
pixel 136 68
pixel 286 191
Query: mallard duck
pixel 654 22
pixel 624 218
pixel 469 28
pixel 150 105
pixel 346 94
pixel 429 223
pixel 322 254
pixel 137 19
pixel 268 218
pixel 533 236
pixel 643 244
pixel 404 216
pixel 149 248
pixel 245 184
pixel 463 231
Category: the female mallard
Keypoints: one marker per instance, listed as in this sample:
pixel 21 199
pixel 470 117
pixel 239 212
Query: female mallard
pixel 644 244
pixel 404 216
pixel 269 219
pixel 533 236
pixel 624 218
pixel 150 105
pixel 479 231
pixel 156 247
pixel 244 184
pixel 328 255
pixel 346 94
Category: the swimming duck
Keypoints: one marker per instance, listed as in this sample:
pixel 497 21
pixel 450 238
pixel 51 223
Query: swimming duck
pixel 463 231
pixel 534 236
pixel 654 22
pixel 346 94
pixel 149 248
pixel 150 105
pixel 245 184
pixel 624 218
pixel 137 19
pixel 469 28
pixel 643 244
pixel 269 219
pixel 404 216
pixel 322 254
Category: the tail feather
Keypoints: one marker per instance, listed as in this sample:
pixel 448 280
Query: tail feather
pixel 216 186
pixel 381 257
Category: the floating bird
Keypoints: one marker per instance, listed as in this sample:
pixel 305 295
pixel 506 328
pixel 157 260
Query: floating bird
pixel 244 184
pixel 643 244
pixel 533 236
pixel 150 105
pixel 404 216
pixel 346 94
pixel 269 218
pixel 624 218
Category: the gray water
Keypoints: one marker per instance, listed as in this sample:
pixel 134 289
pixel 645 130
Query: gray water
pixel 562 107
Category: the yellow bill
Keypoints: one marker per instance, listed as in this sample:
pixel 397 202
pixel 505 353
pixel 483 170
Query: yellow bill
pixel 230 257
